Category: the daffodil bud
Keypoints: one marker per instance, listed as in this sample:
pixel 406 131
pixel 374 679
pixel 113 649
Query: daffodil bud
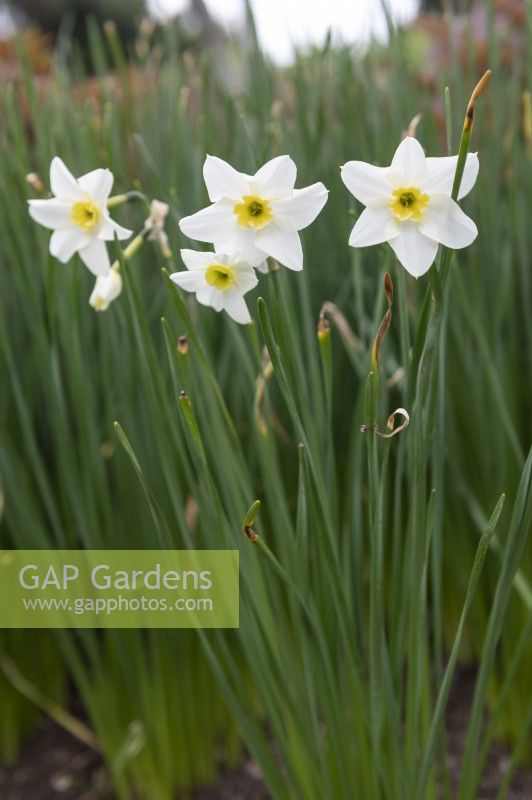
pixel 324 329
pixel 34 180
pixel 155 225
pixel 106 289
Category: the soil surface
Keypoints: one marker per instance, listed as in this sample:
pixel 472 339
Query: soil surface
pixel 55 766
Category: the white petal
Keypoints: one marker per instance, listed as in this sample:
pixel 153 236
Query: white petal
pixel 263 267
pixel 96 257
pixel 242 241
pixel 111 229
pixel 53 214
pixel 276 178
pixel 190 281
pixel 374 225
pixel 445 222
pixel 106 289
pixel 62 182
pixel 97 184
pixel 281 243
pixel 210 296
pixel 408 167
pixel 441 175
pixel 366 182
pixel 236 307
pixel 210 224
pixel 222 180
pixel 245 276
pixel 415 252
pixel 195 259
pixel 303 206
pixel 64 243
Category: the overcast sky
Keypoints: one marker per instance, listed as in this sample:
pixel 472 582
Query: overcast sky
pixel 282 24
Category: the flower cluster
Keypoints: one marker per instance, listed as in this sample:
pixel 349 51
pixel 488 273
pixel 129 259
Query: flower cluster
pixel 409 205
pixel 251 217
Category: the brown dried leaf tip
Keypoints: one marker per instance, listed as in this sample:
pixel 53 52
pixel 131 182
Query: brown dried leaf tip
pixel 342 326
pixel 477 91
pixel 384 327
pixel 412 126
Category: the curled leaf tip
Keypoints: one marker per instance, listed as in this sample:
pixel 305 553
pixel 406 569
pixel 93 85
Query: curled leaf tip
pixel 390 424
pixel 477 91
pixel 385 324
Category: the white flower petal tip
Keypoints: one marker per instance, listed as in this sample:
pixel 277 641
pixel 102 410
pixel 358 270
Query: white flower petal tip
pixel 414 250
pixel 219 280
pixel 409 205
pixel 106 289
pixel 257 215
pixel 78 216
pixel 263 267
pixel 95 257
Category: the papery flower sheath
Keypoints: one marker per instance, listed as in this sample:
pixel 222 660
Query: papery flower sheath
pixel 409 205
pixel 78 216
pixel 257 215
pixel 218 280
pixel 155 224
pixel 106 289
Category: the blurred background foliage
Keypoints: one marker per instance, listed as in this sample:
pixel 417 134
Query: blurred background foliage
pixel 149 101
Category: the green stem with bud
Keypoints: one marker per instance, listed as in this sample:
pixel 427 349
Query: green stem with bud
pixel 128 197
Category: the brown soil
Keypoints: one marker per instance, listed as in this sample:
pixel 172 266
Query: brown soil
pixel 54 766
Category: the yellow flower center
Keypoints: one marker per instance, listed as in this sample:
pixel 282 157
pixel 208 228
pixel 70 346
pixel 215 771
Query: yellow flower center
pixel 100 304
pixel 253 212
pixel 409 203
pixel 220 275
pixel 85 214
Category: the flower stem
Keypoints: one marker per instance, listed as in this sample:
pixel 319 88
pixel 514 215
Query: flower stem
pixel 128 197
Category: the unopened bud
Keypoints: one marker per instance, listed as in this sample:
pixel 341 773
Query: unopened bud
pixel 107 450
pixel 34 180
pixel 109 27
pixel 323 330
pixel 155 225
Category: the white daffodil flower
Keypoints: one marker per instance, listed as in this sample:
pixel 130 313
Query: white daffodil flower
pixel 106 289
pixel 257 215
pixel 78 216
pixel 219 281
pixel 409 205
